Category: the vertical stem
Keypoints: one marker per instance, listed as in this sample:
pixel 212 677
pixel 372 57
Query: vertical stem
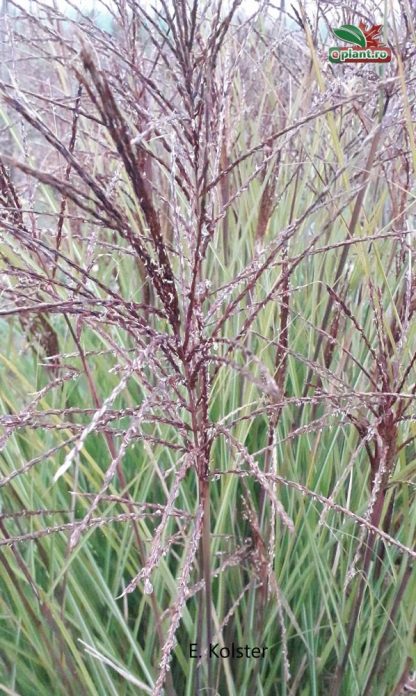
pixel 198 418
pixel 206 567
pixel 375 519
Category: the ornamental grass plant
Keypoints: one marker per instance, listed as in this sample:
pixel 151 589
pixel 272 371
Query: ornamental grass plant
pixel 208 349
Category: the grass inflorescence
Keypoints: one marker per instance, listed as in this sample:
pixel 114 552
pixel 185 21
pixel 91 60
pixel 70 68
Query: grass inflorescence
pixel 208 351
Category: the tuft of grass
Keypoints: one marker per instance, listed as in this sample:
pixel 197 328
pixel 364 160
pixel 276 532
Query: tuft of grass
pixel 208 351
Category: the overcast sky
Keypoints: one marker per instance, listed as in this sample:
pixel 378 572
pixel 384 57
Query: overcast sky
pixel 374 6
